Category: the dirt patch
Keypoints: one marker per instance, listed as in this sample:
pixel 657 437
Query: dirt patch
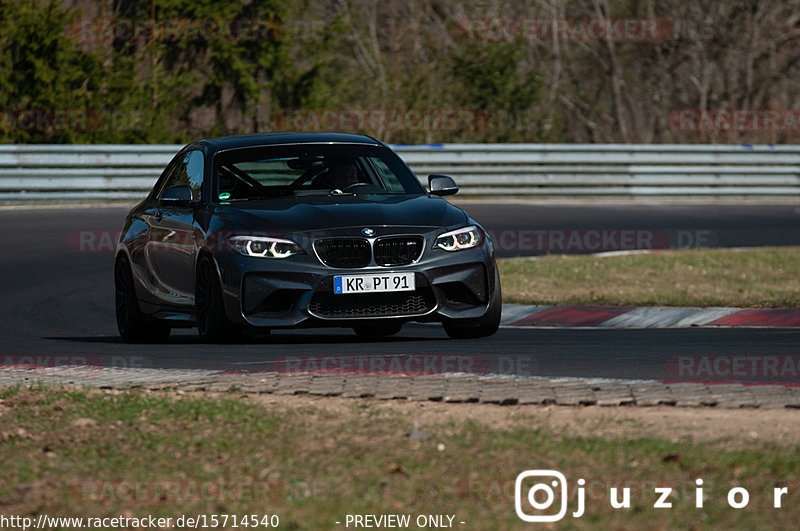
pixel 726 428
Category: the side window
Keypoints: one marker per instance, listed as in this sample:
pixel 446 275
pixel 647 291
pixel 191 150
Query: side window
pixel 194 172
pixel 166 176
pixel 188 171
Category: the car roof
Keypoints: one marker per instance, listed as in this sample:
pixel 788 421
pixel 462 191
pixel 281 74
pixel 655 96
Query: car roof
pixel 266 139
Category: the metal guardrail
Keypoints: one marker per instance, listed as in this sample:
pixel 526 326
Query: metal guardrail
pixel 98 172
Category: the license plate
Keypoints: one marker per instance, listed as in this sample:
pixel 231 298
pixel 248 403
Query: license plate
pixel 343 284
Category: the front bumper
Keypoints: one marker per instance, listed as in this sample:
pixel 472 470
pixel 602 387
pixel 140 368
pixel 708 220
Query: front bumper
pixel 298 291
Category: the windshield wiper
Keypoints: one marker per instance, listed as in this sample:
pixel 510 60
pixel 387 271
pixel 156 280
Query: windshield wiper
pixel 257 197
pixel 336 192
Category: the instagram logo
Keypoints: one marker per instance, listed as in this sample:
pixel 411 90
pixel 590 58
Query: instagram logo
pixel 535 498
pixel 541 495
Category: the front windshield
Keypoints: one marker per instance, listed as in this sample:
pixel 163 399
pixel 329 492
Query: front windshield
pixel 267 172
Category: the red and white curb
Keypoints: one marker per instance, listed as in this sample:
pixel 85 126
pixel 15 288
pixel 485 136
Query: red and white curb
pixel 647 316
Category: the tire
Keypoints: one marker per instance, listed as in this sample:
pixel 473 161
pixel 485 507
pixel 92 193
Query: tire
pixel 378 330
pixel 133 326
pixel 482 326
pixel 213 325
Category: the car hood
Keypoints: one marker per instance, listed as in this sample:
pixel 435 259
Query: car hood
pixel 317 213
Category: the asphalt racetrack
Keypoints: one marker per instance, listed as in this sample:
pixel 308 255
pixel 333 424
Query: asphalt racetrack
pixel 57 300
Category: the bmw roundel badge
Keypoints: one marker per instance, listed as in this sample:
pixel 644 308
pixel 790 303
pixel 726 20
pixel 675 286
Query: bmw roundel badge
pixel 368 232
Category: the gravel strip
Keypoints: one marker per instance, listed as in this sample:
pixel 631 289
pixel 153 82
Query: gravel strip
pixel 449 388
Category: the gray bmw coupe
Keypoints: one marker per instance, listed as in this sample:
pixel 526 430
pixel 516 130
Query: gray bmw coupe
pixel 300 230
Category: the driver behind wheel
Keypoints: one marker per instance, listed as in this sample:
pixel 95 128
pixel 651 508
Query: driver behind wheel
pixel 342 175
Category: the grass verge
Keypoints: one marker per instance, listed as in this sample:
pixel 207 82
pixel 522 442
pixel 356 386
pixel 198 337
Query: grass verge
pixel 134 453
pixel 759 277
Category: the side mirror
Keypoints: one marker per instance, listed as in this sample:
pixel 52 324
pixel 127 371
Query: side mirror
pixel 179 193
pixel 442 185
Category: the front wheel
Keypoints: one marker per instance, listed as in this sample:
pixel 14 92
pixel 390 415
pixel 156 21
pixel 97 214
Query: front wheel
pixel 132 324
pixel 212 323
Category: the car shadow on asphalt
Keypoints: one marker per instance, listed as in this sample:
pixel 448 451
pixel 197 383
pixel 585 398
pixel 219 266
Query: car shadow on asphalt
pixel 280 338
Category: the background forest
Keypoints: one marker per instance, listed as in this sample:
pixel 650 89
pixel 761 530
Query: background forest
pixel 405 71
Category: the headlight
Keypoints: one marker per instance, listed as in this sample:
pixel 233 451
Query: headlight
pixel 460 239
pixel 264 247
